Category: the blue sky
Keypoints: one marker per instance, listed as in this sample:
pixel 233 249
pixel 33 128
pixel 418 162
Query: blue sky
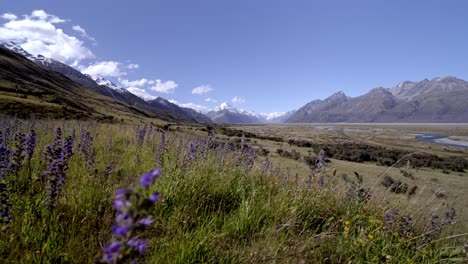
pixel 270 55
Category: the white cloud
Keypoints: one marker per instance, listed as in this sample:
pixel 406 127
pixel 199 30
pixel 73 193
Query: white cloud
pixel 104 69
pixel 9 16
pixel 238 100
pixel 42 15
pixel 136 83
pixel 37 34
pixel 133 66
pixel 211 100
pixel 141 93
pixel 82 31
pixel 199 108
pixel 202 89
pixel 164 87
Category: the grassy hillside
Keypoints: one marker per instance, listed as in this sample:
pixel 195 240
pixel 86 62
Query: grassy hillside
pixel 219 202
pixel 27 89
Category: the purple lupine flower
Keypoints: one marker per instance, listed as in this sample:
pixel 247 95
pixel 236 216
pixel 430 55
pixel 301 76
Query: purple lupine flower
pixel 204 147
pixel 406 226
pixel 130 204
pixel 109 169
pixel 68 146
pixel 141 132
pixel 137 244
pixel 16 162
pixel 5 205
pixel 56 156
pixel 85 145
pixel 266 166
pixel 321 181
pixel 111 253
pixel 191 155
pixel 154 197
pixel 391 220
pixel 161 148
pixel 148 178
pixel 224 151
pixel 146 221
pixel 30 144
pixel 120 230
pixel 249 159
pixel 150 132
pixel 5 155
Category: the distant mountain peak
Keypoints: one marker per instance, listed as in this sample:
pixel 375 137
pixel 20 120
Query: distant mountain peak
pixel 447 79
pixel 103 81
pixel 18 49
pixel 225 106
pixel 337 96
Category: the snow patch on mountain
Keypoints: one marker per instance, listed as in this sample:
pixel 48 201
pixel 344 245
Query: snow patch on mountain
pixel 103 81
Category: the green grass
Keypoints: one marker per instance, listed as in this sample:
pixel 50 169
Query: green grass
pixel 214 210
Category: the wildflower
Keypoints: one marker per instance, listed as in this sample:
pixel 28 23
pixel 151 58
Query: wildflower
pixel 321 181
pixel 147 179
pixel 5 205
pixel 141 136
pixel 5 155
pixel 160 152
pixel 16 162
pixel 347 223
pixel 191 155
pixel 346 232
pixel 56 155
pixel 154 197
pixel 146 221
pixel 249 159
pixel 30 144
pixel 86 147
pixel 130 204
pixel 137 244
pixel 370 236
pixel 266 166
pixel 109 169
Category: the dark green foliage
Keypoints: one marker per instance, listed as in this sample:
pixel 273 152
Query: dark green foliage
pixel 394 186
pixel 290 155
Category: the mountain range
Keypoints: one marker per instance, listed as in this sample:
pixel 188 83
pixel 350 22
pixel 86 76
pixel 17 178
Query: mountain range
pixel 431 101
pixel 32 82
pixel 226 113
pixel 159 107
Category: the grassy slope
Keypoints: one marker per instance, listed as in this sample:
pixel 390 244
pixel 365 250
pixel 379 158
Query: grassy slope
pixel 429 181
pixel 213 211
pixel 28 89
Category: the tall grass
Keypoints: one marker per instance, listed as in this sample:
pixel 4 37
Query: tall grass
pixel 216 206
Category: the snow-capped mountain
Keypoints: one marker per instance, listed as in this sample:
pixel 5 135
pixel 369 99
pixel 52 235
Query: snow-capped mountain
pixel 103 81
pixel 276 117
pixel 39 59
pixel 226 113
pixel 105 87
pixel 18 49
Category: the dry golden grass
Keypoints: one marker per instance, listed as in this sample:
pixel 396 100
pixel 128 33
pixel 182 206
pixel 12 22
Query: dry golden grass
pixel 452 185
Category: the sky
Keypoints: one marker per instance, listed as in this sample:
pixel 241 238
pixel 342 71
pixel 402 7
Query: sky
pixel 265 56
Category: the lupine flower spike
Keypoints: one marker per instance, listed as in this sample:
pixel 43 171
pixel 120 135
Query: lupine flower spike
pixel 130 205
